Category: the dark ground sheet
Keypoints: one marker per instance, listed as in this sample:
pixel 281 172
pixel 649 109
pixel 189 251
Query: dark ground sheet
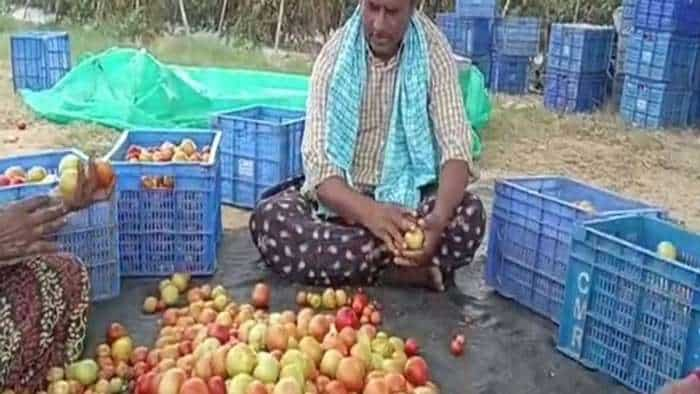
pixel 510 350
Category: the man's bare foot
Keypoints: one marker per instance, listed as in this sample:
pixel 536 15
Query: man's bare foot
pixel 428 277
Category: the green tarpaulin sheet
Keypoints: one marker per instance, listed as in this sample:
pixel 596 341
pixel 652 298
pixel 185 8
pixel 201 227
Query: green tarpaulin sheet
pixel 125 88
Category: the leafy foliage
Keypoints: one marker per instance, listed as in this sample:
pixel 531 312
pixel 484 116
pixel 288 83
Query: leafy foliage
pixel 305 21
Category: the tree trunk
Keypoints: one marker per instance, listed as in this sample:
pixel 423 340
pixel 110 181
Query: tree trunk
pixel 26 8
pixel 222 17
pixel 279 25
pixel 183 14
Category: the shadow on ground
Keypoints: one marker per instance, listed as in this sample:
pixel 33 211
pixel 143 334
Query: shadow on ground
pixel 510 351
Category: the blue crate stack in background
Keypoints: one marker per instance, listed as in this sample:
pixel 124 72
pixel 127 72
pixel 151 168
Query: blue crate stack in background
pixel 626 26
pixel 515 41
pixel 39 59
pixel 661 64
pixel 470 31
pixel 577 67
pixel 501 48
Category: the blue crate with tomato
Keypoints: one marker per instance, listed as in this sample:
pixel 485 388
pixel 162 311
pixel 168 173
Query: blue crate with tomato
pixel 632 301
pixel 91 233
pixel 530 235
pixel 169 193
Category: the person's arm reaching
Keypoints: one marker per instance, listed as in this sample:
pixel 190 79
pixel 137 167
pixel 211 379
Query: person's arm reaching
pixel 29 223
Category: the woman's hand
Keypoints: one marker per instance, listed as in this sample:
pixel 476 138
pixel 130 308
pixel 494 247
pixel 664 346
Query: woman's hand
pixel 389 223
pixel 433 226
pixel 87 191
pixel 27 224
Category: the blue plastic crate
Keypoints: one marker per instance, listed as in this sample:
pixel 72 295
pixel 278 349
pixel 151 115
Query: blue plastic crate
pixel 517 36
pixel 627 311
pixel 628 14
pixel 654 104
pixel 39 59
pixel 616 92
pixel 530 236
pixel 483 63
pixel 468 36
pixel 90 234
pixel 163 231
pixel 478 8
pixel 580 48
pixel 568 92
pixel 509 74
pixel 673 16
pixel 663 57
pixel 621 52
pixel 694 111
pixel 261 146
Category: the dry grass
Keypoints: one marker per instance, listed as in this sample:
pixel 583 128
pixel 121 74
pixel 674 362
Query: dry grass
pixel 659 167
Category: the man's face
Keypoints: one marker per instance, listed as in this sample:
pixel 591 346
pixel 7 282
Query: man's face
pixel 385 23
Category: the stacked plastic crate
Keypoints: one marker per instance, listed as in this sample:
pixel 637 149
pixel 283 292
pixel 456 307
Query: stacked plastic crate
pixel 469 31
pixel 661 65
pixel 577 67
pixel 623 35
pixel 516 40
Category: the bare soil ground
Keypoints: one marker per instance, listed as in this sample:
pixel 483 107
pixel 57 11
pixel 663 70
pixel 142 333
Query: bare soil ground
pixel 523 139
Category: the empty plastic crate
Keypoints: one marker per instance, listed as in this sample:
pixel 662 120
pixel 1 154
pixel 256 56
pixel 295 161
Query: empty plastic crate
pixel 649 104
pixel 568 92
pixel 580 48
pixel 261 146
pixel 530 236
pixel 168 230
pixel 509 74
pixel 517 36
pixel 39 59
pixel 467 36
pixel 673 16
pixel 90 234
pixel 663 57
pixel 628 311
pixel 478 8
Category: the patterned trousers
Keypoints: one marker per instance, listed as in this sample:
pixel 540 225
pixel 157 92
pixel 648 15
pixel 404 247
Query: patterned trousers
pixel 44 303
pixel 298 245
